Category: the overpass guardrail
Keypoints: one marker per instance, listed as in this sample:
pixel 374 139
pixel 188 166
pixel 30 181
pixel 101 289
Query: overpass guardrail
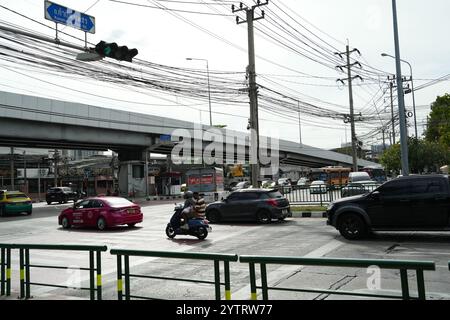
pixel 403 266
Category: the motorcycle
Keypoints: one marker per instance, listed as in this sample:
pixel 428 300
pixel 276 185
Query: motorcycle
pixel 197 227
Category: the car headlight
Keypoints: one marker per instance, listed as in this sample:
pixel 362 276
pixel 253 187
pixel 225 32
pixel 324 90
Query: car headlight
pixel 330 206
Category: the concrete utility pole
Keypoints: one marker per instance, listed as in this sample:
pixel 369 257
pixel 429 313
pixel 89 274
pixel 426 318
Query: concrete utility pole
pixel 253 89
pixel 401 98
pixel 391 87
pixel 12 168
pixel 350 93
pixel 299 126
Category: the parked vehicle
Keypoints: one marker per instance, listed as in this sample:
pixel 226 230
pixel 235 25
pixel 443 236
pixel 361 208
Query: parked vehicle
pixel 197 227
pixel 361 187
pixel 318 187
pixel 358 176
pixel 261 205
pixel 302 183
pixel 61 195
pixel 242 185
pixel 268 184
pixel 414 203
pixel 101 212
pixel 14 202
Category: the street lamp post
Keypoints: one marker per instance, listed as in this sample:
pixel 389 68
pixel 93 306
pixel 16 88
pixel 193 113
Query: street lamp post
pixel 209 87
pixel 412 89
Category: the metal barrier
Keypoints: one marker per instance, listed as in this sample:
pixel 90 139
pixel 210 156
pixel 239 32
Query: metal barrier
pixel 403 266
pixel 226 258
pixel 322 196
pixel 5 269
pixel 25 266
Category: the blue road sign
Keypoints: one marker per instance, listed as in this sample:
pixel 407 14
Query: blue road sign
pixel 60 14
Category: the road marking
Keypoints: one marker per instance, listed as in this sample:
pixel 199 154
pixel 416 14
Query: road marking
pixel 280 274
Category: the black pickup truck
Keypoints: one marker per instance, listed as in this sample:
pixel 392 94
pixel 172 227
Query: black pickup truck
pixel 413 203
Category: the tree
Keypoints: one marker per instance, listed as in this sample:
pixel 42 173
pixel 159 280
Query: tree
pixel 439 121
pixel 423 156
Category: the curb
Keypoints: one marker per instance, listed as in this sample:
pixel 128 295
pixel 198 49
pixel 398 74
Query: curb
pixel 309 214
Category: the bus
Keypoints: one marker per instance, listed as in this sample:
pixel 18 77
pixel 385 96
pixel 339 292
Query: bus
pixel 376 173
pixel 333 176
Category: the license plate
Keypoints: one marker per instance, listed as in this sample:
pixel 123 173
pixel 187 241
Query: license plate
pixel 131 211
pixel 285 211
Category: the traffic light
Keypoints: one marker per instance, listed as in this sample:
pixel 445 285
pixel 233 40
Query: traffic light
pixel 112 50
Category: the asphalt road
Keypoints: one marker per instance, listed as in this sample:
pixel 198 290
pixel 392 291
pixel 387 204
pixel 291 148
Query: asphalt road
pixel 293 237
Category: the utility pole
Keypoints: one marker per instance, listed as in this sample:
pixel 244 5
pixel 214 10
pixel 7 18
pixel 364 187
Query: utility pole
pixel 350 92
pixel 401 98
pixel 56 159
pixel 391 87
pixel 384 140
pixel 25 171
pixel 299 126
pixel 253 89
pixel 12 168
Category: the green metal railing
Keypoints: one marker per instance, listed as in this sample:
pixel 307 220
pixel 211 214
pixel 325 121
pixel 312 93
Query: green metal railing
pixel 403 266
pixel 216 258
pixel 324 195
pixel 95 281
pixel 5 269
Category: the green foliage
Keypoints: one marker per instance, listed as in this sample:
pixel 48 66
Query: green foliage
pixel 439 121
pixel 423 156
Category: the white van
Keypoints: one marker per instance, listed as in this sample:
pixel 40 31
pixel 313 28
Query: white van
pixel 358 176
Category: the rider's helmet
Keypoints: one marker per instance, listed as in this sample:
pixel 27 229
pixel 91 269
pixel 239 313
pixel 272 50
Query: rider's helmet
pixel 188 195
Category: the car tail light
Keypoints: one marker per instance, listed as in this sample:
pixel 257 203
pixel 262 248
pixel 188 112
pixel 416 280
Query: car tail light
pixel 272 202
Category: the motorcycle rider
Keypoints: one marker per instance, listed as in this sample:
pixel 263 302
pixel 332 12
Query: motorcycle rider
pixel 196 210
pixel 188 208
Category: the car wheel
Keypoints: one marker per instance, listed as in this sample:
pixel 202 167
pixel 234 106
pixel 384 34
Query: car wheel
pixel 101 224
pixel 65 223
pixel 202 233
pixel 170 232
pixel 2 212
pixel 282 219
pixel 213 216
pixel 49 202
pixel 29 213
pixel 352 226
pixel 132 225
pixel 263 216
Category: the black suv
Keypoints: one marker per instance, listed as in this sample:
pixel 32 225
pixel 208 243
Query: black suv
pixel 261 205
pixel 414 203
pixel 60 195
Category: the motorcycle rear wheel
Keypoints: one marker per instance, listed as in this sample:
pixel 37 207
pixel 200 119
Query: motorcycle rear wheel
pixel 170 232
pixel 202 233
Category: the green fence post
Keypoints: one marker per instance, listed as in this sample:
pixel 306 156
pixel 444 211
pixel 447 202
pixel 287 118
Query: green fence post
pixel 2 271
pixel 253 295
pixel 265 291
pixel 91 275
pixel 8 271
pixel 420 284
pixel 217 279
pixel 119 277
pixel 127 277
pixel 404 282
pixel 226 266
pixel 99 275
pixel 22 274
pixel 27 274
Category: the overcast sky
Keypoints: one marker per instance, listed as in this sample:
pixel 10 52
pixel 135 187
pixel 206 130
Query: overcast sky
pixel 162 37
